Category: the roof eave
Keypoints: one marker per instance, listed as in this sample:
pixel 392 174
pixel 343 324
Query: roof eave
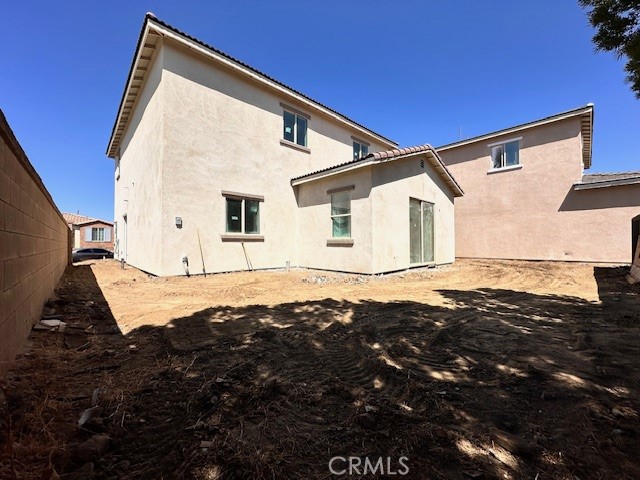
pixel 606 183
pixel 586 127
pixel 435 161
pixel 97 220
pixel 363 162
pixel 586 131
pixel 133 86
pixel 153 26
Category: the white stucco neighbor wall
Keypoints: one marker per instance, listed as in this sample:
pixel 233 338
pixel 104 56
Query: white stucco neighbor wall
pixel 138 190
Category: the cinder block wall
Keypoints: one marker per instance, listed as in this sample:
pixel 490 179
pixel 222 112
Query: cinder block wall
pixel 34 246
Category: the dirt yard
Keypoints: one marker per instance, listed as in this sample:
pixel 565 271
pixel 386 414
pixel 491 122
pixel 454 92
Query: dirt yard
pixel 508 370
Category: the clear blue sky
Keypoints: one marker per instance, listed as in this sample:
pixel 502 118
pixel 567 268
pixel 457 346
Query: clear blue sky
pixel 414 71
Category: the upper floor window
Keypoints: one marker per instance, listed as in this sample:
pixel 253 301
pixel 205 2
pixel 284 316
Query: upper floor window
pixel 360 149
pixel 341 214
pixel 295 128
pixel 506 154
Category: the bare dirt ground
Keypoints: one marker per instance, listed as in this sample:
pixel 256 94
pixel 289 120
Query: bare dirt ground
pixel 484 369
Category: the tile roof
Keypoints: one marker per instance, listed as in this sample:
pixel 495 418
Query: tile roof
pixel 74 218
pixel 605 177
pixel 149 17
pixel 600 180
pixel 77 219
pixel 374 155
pixel 396 152
pixel 380 157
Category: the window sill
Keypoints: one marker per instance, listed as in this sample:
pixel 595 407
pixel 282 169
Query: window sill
pixel 340 242
pixel 504 169
pixel 241 237
pixel 295 146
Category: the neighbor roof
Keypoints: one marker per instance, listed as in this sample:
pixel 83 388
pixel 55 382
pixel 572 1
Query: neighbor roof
pixel 77 219
pixel 153 29
pixel 382 157
pixel 586 126
pixel 74 218
pixel 600 180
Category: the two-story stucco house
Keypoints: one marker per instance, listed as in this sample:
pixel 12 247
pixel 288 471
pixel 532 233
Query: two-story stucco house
pixel 220 167
pixel 527 196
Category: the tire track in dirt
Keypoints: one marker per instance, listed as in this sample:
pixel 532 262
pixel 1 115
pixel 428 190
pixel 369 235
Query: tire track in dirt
pixel 366 361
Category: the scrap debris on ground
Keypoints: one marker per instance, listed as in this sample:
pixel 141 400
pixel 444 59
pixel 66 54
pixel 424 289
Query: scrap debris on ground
pixel 478 370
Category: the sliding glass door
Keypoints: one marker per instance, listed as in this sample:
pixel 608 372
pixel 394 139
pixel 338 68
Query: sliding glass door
pixel 420 231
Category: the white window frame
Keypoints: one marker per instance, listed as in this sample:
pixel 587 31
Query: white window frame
pixel 341 215
pixel 97 230
pixel 242 198
pixel 296 115
pixel 433 210
pixel 504 167
pixel 361 145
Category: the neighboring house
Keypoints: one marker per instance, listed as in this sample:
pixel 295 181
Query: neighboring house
pixel 220 167
pixel 90 232
pixel 527 196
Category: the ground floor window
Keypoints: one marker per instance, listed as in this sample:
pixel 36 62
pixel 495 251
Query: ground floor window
pixel 341 215
pixel 420 231
pixel 243 215
pixel 97 234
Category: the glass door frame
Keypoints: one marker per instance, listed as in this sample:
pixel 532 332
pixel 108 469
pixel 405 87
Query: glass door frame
pixel 422 260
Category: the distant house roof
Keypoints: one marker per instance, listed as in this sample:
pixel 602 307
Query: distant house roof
pixel 586 126
pixel 77 219
pixel 601 180
pixel 382 157
pixel 74 218
pixel 153 29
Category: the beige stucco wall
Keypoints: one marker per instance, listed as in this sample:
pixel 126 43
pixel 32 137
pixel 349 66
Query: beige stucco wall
pixel 533 213
pixel 138 190
pixel 34 246
pixel 219 132
pixel 314 223
pixel 393 184
pixel 379 217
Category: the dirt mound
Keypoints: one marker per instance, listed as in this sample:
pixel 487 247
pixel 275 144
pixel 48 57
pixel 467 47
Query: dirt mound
pixel 266 375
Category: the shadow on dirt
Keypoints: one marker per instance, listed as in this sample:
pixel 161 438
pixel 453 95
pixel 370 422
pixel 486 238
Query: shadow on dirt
pixel 498 384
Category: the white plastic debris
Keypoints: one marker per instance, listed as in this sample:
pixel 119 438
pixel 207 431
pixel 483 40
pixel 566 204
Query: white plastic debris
pixel 54 325
pixel 86 416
